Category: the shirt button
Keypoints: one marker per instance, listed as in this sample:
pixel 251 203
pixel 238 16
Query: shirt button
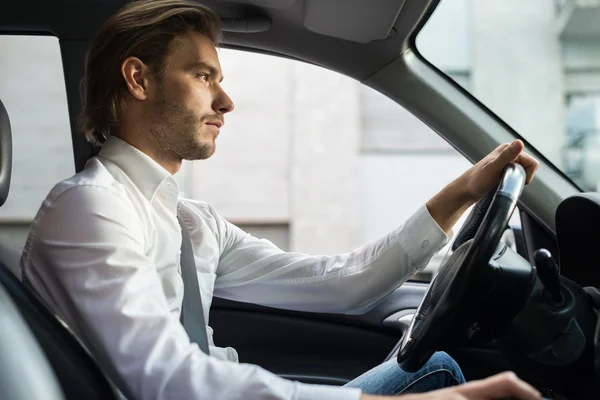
pixel 424 244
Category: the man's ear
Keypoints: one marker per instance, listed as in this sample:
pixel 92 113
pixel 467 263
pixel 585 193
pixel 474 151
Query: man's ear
pixel 137 76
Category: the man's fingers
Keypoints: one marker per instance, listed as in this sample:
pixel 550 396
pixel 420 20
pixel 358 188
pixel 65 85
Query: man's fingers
pixel 499 386
pixel 530 164
pixel 514 153
pixel 510 153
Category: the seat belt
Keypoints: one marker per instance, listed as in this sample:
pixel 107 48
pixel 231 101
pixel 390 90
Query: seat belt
pixel 192 312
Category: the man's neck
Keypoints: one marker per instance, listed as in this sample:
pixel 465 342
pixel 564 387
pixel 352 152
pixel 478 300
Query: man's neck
pixel 171 164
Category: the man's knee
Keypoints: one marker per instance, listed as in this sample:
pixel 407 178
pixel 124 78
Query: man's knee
pixel 390 379
pixel 443 364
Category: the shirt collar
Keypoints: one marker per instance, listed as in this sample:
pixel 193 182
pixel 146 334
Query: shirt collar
pixel 145 173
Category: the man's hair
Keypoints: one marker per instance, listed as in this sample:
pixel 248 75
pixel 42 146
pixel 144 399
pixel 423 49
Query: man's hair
pixel 142 29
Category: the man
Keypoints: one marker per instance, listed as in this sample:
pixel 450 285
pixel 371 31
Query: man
pixel 103 251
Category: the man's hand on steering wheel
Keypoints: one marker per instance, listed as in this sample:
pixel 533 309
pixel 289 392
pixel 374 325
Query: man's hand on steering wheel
pixel 485 175
pixel 449 204
pixel 501 386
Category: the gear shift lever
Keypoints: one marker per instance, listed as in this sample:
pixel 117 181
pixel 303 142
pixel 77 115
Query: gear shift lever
pixel 548 273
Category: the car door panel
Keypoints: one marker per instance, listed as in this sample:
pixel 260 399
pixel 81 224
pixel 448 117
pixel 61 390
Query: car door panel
pixel 314 347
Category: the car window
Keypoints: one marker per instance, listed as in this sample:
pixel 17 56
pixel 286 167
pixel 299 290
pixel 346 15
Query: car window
pixel 310 159
pixel 535 64
pixel 33 91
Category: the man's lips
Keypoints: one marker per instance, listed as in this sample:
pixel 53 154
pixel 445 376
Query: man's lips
pixel 218 124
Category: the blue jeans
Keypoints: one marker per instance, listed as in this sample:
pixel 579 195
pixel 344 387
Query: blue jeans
pixel 389 379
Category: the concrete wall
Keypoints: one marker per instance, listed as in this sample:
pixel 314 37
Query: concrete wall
pixel 325 197
pixel 387 128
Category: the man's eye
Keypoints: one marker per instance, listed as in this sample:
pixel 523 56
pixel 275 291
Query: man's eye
pixel 203 76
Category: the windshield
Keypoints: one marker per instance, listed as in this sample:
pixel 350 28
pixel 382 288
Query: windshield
pixel 536 64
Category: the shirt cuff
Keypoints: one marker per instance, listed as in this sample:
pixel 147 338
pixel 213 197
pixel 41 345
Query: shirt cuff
pixel 423 238
pixel 323 392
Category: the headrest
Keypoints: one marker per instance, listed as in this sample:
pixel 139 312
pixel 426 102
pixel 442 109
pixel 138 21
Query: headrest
pixel 5 154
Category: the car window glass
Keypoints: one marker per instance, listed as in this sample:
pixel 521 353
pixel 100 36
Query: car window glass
pixel 310 159
pixel 535 64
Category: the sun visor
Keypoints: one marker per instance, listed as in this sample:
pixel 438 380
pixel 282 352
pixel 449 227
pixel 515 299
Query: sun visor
pixel 358 20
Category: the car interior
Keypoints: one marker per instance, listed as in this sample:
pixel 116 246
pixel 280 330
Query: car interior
pixel 533 310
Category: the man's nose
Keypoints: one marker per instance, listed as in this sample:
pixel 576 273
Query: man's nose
pixel 223 103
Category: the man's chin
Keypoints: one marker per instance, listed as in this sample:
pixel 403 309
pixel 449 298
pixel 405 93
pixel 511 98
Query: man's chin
pixel 200 152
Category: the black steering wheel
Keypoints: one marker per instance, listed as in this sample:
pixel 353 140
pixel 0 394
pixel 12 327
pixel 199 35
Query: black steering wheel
pixel 446 312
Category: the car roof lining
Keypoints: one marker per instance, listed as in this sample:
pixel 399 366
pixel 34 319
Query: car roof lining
pixel 374 46
pixel 359 20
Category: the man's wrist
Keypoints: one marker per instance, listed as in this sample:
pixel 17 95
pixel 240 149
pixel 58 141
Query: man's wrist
pixel 450 203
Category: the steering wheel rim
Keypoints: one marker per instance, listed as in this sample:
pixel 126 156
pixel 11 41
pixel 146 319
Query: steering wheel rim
pixel 442 301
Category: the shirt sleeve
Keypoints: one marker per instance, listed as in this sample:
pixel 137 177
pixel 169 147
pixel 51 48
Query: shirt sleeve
pixel 89 262
pixel 256 271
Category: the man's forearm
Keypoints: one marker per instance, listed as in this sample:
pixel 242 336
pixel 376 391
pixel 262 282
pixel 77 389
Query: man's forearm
pixel 449 205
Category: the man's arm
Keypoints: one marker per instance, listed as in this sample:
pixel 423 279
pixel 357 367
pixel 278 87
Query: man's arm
pixel 88 259
pixel 252 270
pixel 256 271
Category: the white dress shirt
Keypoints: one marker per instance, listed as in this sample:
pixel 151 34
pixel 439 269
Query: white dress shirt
pixel 103 253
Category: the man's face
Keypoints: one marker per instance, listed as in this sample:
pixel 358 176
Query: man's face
pixel 189 105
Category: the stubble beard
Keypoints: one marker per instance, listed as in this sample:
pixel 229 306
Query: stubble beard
pixel 174 129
